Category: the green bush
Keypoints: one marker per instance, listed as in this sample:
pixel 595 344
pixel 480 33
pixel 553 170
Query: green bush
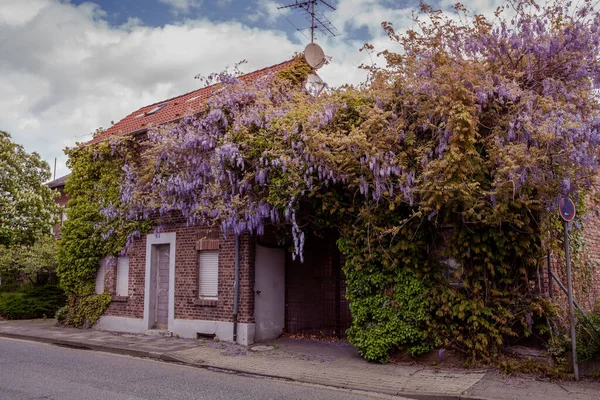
pixel 386 301
pixel 38 302
pixel 9 287
pixel 84 311
pixel 588 336
pixel 61 314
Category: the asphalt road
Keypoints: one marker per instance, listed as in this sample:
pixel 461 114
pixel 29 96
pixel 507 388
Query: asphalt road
pixel 39 371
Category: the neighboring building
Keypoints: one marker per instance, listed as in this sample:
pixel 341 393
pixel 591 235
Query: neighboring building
pixel 182 281
pixel 59 185
pixel 585 272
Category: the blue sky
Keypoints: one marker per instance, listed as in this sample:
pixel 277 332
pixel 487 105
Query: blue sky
pixel 71 66
pixel 156 13
pixel 159 13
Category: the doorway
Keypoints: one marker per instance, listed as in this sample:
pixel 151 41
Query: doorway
pixel 160 284
pixel 269 292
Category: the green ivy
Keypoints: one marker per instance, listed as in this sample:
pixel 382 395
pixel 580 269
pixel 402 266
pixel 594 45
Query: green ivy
pixel 93 186
pixel 403 295
pixel 385 294
pixel 84 311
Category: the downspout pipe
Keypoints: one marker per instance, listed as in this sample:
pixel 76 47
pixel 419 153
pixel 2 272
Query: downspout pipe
pixel 549 262
pixel 236 286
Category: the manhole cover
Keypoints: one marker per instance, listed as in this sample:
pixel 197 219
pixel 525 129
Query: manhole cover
pixel 261 348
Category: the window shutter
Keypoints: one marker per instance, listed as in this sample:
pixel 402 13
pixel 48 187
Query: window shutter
pixel 209 274
pixel 123 276
pixel 100 278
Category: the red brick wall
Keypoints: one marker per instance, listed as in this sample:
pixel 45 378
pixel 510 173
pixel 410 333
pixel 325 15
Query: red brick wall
pixel 187 303
pixel 131 306
pixel 586 274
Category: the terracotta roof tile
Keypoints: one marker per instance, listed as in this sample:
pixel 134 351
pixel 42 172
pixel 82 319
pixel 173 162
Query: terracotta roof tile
pixel 175 107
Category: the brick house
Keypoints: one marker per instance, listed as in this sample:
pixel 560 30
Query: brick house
pixel 183 281
pixel 59 185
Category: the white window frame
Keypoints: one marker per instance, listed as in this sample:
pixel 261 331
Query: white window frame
pixel 206 292
pixel 122 277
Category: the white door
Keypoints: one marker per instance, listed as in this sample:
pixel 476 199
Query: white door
pixel 269 292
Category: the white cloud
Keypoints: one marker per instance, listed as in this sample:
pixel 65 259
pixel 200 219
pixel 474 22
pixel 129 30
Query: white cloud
pixel 18 12
pixel 131 23
pixel 369 14
pixel 64 71
pixel 182 6
pixel 266 11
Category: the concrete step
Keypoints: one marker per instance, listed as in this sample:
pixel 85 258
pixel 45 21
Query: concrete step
pixel 158 332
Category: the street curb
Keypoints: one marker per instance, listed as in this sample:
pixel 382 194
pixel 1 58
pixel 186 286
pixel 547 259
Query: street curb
pixel 81 345
pixel 170 359
pixel 328 383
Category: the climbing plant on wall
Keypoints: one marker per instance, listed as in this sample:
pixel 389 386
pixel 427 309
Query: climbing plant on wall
pixel 441 174
pixel 93 229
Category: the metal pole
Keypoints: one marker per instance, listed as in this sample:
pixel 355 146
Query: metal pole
pixel 312 27
pixel 571 310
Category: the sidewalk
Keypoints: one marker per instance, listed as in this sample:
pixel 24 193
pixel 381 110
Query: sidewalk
pixel 330 364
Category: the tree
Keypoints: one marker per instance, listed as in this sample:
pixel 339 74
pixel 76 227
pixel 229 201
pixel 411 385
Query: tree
pixel 37 262
pixel 27 213
pixel 27 206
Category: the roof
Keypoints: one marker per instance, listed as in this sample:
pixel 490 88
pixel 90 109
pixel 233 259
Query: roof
pixel 175 108
pixel 58 182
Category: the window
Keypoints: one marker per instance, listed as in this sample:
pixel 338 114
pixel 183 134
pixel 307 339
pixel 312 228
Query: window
pixel 100 278
pixel 208 276
pixel 123 276
pixel 155 109
pixel 63 216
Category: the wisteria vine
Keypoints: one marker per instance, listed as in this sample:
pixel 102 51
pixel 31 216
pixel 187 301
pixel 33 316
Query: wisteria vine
pixel 477 126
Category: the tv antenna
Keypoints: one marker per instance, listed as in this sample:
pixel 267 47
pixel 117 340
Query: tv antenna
pixel 314 54
pixel 317 19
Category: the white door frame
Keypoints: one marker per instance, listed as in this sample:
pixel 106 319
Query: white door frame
pixel 151 240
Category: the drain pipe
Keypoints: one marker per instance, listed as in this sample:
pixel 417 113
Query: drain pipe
pixel 236 286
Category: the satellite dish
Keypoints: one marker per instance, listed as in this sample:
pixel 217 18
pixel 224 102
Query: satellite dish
pixel 314 84
pixel 314 55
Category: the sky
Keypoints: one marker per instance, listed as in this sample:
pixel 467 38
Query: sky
pixel 70 67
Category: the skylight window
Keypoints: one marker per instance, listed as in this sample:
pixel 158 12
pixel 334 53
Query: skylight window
pixel 155 109
pixel 193 98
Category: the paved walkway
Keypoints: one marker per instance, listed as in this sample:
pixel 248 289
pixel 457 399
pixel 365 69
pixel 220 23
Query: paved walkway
pixel 331 364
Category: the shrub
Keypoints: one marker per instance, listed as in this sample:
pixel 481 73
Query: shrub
pixel 39 302
pixel 84 311
pixel 588 336
pixel 9 287
pixel 61 314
